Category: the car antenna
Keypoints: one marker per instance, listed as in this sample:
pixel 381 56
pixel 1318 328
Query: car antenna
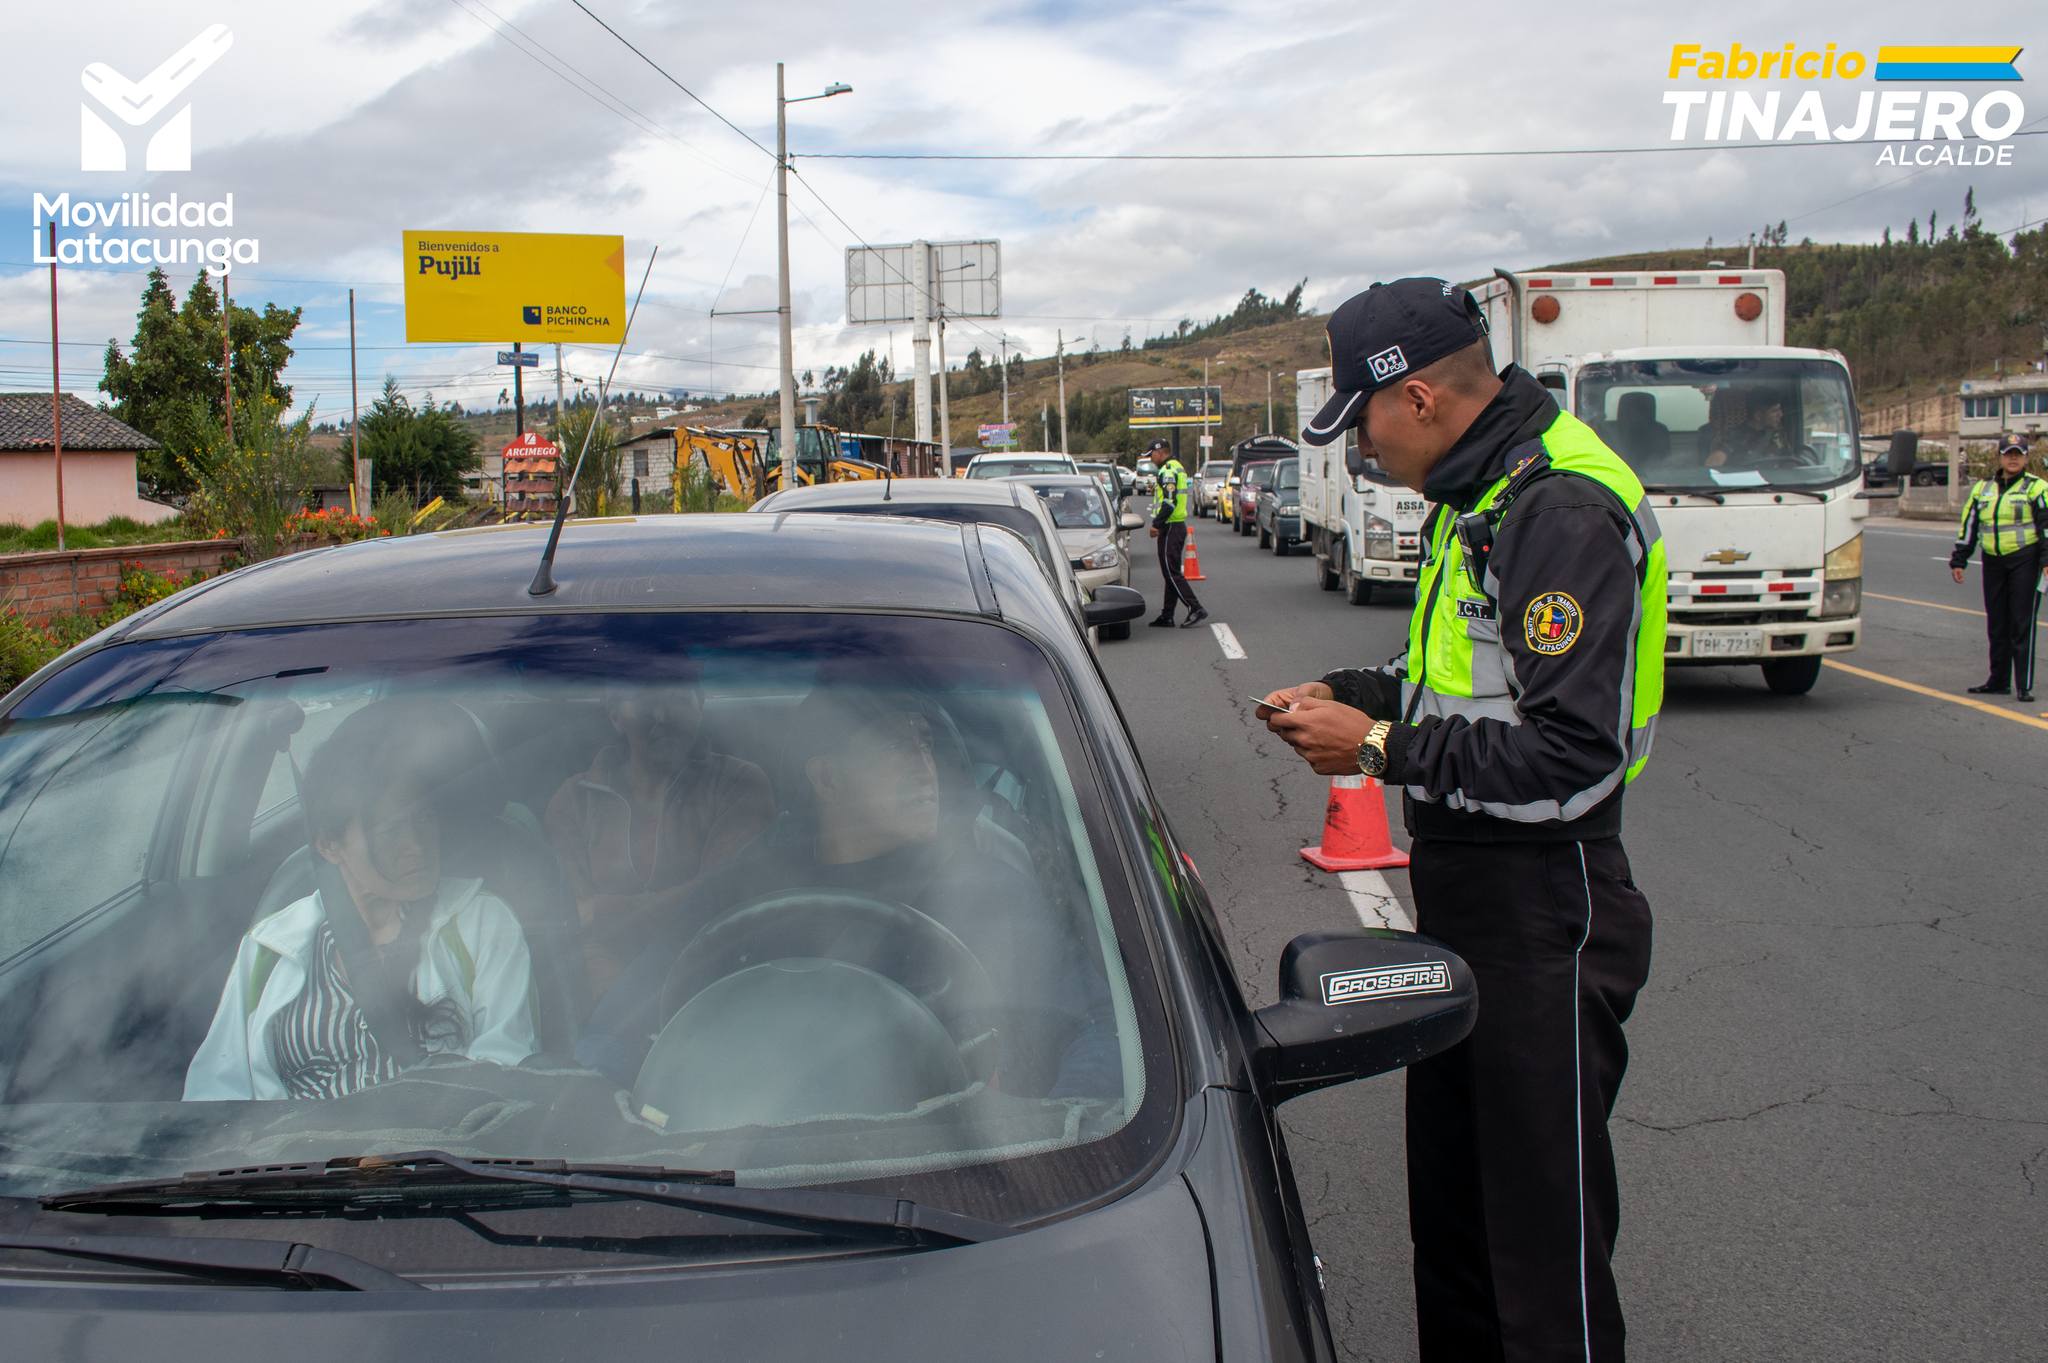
pixel 543 583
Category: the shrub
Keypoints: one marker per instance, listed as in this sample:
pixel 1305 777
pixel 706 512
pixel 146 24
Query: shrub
pixel 251 486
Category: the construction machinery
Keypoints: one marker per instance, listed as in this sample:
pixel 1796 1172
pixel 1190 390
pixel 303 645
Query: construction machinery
pixel 748 463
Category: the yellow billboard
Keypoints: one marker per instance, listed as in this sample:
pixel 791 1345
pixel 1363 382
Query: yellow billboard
pixel 514 286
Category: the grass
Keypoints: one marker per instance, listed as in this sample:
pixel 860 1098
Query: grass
pixel 116 530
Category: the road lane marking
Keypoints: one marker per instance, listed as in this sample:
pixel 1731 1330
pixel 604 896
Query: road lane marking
pixel 1374 901
pixel 1977 611
pixel 1227 642
pixel 1919 690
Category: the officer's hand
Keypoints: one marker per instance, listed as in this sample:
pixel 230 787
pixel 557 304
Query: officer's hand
pixel 1289 695
pixel 1155 532
pixel 1325 733
pixel 1956 573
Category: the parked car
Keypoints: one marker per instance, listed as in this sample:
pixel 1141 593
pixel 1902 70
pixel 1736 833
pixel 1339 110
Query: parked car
pixel 1207 484
pixel 815 1153
pixel 1252 479
pixel 1926 473
pixel 1093 532
pixel 1108 476
pixel 1004 465
pixel 1004 503
pixel 1278 512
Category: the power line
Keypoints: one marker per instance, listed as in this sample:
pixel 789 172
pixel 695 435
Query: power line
pixel 671 79
pixel 1355 155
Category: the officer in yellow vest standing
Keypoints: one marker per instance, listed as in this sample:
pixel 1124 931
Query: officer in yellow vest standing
pixel 1513 723
pixel 1170 528
pixel 2008 512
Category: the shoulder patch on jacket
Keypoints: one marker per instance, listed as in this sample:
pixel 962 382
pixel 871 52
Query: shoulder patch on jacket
pixel 1552 624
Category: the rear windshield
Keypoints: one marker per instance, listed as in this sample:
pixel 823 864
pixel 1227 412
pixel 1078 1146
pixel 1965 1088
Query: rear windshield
pixel 1076 508
pixel 1006 468
pixel 1216 468
pixel 820 899
pixel 1012 518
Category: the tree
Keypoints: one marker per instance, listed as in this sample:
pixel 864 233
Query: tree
pixel 421 451
pixel 597 482
pixel 251 486
pixel 168 385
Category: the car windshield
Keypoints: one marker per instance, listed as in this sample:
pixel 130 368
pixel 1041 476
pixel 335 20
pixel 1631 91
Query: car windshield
pixel 1289 476
pixel 1216 468
pixel 816 898
pixel 1007 468
pixel 1260 475
pixel 1075 507
pixel 1713 424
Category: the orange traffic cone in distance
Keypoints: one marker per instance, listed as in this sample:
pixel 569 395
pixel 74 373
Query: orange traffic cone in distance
pixel 1355 833
pixel 1191 562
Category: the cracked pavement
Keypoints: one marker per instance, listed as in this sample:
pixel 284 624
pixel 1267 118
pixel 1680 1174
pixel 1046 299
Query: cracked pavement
pixel 1833 1138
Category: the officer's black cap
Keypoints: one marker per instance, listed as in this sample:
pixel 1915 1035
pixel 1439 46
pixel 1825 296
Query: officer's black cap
pixel 1157 445
pixel 2013 442
pixel 1389 331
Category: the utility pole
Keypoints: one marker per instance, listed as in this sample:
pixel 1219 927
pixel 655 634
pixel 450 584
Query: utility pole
pixel 56 388
pixel 558 388
pixel 1269 402
pixel 921 339
pixel 1004 342
pixel 355 442
pixel 227 359
pixel 788 364
pixel 1060 363
pixel 1044 426
pixel 1752 250
pixel 945 411
pixel 518 393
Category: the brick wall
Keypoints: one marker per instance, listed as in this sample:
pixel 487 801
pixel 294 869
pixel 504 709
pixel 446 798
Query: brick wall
pixel 39 587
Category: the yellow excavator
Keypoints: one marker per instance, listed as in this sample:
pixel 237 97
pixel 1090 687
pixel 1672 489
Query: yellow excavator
pixel 748 464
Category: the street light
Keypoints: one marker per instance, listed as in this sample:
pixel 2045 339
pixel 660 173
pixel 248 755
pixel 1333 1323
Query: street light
pixel 782 103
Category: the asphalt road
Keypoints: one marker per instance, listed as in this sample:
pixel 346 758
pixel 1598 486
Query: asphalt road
pixel 1833 1138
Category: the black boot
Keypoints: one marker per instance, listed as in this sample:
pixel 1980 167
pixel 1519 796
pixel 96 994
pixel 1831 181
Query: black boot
pixel 1991 689
pixel 1164 621
pixel 2025 697
pixel 1195 619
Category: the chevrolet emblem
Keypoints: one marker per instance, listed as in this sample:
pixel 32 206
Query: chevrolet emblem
pixel 1724 557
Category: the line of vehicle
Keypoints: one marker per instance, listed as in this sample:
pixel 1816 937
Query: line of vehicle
pixel 1374 901
pixel 1931 605
pixel 1227 641
pixel 2000 712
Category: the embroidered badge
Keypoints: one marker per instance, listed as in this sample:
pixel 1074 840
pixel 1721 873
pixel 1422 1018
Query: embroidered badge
pixel 1552 624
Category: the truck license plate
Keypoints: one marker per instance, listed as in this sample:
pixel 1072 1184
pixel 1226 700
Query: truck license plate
pixel 1727 643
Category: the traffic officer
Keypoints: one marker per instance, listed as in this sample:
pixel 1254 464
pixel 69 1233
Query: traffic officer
pixel 1170 528
pixel 1514 721
pixel 2009 513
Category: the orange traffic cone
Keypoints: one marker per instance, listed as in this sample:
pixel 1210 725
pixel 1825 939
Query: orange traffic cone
pixel 1355 836
pixel 1191 562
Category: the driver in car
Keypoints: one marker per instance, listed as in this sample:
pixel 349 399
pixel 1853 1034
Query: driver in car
pixel 387 963
pixel 874 826
pixel 654 812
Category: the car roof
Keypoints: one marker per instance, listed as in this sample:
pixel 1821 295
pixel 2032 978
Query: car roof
pixel 1079 480
pixel 954 491
pixel 1019 454
pixel 625 563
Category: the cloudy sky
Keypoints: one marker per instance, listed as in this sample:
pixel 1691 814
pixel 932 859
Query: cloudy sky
pixel 338 126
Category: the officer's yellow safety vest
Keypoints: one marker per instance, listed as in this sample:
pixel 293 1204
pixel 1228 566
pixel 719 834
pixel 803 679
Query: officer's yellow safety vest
pixel 2005 519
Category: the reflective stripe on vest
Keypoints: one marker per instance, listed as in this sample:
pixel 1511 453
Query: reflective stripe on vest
pixel 1172 475
pixel 1461 666
pixel 2005 520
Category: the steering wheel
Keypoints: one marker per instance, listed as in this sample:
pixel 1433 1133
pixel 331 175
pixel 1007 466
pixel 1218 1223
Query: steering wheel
pixel 893 940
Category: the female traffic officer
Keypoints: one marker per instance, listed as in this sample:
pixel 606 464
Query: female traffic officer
pixel 387 962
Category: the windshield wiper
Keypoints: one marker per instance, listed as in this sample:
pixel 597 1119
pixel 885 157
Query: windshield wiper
pixel 422 1178
pixel 282 1262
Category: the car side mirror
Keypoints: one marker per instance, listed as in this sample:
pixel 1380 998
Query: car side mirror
pixel 1356 1004
pixel 1112 605
pixel 1904 454
pixel 1235 480
pixel 1354 460
pixel 1131 520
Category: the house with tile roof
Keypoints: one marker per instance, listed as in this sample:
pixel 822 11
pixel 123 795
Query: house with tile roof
pixel 99 464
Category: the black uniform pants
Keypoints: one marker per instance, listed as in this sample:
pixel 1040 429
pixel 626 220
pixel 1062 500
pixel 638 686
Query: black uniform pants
pixel 1173 543
pixel 1512 1201
pixel 2012 601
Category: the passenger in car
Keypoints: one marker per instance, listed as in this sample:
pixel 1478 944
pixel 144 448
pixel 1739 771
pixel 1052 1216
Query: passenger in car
pixel 386 963
pixel 655 811
pixel 872 824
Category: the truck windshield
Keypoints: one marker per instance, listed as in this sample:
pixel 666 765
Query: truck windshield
pixel 1702 424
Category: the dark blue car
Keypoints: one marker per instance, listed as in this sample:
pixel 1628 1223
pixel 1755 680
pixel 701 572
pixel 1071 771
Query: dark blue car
pixel 762 944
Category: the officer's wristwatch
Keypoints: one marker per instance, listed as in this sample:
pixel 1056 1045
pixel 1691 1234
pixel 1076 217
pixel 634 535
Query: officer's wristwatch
pixel 1372 754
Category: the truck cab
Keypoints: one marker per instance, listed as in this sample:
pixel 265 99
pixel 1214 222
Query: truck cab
pixel 1747 449
pixel 1364 529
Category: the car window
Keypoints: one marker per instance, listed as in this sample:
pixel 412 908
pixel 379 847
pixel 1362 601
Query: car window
pixel 1008 468
pixel 817 898
pixel 1076 508
pixel 1289 476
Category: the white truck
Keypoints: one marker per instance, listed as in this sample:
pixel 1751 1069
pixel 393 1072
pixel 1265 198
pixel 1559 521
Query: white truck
pixel 1365 529
pixel 1746 446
